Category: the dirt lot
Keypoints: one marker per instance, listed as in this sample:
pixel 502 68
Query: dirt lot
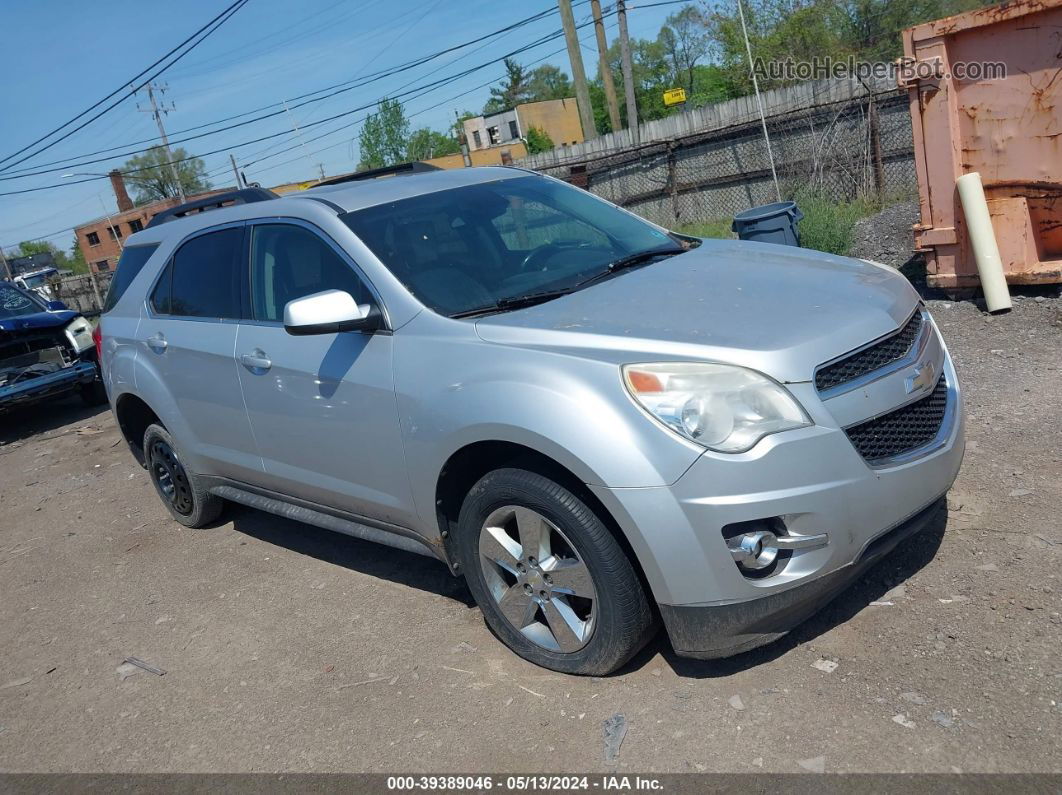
pixel 287 648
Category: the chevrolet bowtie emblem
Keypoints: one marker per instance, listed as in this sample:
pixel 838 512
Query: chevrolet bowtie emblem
pixel 925 377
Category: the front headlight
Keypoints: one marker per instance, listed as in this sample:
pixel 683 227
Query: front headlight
pixel 720 406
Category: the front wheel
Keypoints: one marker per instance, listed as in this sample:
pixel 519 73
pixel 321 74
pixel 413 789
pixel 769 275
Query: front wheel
pixel 551 579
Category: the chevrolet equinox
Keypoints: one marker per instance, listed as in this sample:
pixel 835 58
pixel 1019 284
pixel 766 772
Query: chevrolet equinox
pixel 598 423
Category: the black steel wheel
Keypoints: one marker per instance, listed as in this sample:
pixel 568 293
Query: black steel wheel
pixel 181 491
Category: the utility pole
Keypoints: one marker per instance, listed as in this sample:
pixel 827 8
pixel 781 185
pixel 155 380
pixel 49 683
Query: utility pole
pixel 114 231
pixel 158 112
pixel 575 56
pixel 7 265
pixel 606 73
pixel 235 170
pixel 459 128
pixel 759 100
pixel 628 72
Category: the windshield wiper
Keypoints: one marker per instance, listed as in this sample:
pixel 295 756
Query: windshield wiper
pixel 520 301
pixel 630 261
pixel 515 302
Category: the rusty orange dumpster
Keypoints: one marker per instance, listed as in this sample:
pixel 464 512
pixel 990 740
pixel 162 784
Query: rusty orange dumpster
pixel 986 95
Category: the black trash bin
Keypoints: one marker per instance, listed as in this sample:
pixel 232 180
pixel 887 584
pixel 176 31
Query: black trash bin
pixel 771 223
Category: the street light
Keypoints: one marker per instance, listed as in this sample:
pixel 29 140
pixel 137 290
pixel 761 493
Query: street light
pixel 106 212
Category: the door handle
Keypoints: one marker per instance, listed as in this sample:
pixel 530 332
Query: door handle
pixel 256 360
pixel 157 342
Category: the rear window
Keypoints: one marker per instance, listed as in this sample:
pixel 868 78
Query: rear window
pixel 130 264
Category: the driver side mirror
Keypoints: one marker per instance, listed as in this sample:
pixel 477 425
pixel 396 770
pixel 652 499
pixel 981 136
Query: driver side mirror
pixel 329 312
pixel 55 306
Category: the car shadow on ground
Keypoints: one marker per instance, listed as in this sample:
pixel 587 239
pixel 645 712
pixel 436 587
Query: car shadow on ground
pixel 432 576
pixel 897 567
pixel 23 422
pixel 365 557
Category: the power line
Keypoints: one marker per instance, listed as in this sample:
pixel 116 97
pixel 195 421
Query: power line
pixel 216 22
pixel 442 81
pixel 336 89
pixel 423 89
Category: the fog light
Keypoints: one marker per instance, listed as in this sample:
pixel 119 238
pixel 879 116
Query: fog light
pixel 754 551
pixel 761 547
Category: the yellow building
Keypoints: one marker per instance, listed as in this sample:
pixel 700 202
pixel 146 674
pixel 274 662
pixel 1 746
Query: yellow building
pixel 557 118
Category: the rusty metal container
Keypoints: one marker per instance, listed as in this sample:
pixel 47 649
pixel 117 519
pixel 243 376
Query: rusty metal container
pixel 1009 129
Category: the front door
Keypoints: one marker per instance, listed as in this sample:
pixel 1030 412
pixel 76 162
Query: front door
pixel 322 407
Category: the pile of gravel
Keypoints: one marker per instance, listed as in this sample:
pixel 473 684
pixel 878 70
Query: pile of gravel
pixel 886 236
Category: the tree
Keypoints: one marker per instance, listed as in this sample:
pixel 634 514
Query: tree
pixel 426 143
pixel 77 258
pixel 511 92
pixel 548 82
pixel 152 177
pixel 384 136
pixel 685 40
pixel 538 141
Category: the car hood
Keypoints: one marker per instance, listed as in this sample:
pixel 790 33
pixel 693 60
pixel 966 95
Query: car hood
pixel 778 309
pixel 37 320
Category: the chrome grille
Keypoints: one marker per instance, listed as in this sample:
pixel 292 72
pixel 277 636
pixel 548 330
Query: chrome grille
pixel 869 359
pixel 902 430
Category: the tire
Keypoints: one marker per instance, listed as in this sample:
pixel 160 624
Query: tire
pixel 180 489
pixel 577 606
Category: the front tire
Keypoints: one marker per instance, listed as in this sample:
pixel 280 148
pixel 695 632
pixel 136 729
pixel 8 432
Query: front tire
pixel 180 489
pixel 551 580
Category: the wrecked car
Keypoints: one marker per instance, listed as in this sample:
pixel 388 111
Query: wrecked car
pixel 46 350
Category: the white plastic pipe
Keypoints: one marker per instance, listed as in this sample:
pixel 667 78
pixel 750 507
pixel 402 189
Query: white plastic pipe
pixel 983 238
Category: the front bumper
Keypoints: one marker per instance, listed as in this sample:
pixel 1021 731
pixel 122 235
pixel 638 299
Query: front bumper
pixel 33 389
pixel 725 630
pixel 816 483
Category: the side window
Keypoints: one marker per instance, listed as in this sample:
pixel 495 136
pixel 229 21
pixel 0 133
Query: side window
pixel 289 262
pixel 206 276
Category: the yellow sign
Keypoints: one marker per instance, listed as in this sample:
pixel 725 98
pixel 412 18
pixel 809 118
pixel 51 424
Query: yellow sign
pixel 675 96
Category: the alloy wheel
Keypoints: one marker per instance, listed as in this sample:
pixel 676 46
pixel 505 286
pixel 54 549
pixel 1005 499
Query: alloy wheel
pixel 541 585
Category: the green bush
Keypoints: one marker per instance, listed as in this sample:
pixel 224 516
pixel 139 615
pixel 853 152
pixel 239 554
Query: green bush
pixel 713 227
pixel 828 225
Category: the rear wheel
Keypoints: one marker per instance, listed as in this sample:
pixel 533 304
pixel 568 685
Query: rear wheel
pixel 552 581
pixel 181 490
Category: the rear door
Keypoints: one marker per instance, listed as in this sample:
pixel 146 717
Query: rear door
pixel 188 336
pixel 322 407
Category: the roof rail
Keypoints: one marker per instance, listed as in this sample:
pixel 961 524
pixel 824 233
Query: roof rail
pixel 415 167
pixel 213 202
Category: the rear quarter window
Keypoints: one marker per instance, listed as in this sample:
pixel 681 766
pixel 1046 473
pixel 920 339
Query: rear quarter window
pixel 132 261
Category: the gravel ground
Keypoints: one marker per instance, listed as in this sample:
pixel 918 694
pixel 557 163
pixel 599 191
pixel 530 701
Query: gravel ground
pixel 886 236
pixel 287 648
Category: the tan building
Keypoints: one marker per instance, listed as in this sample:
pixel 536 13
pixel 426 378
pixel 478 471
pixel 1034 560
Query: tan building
pixel 101 239
pixel 502 155
pixel 558 118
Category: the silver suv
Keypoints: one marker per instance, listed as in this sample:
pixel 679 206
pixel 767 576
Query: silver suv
pixel 600 424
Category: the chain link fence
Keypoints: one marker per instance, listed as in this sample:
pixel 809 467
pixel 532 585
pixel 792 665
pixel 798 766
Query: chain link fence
pixel 840 140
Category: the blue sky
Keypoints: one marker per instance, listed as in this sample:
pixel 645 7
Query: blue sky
pixel 60 57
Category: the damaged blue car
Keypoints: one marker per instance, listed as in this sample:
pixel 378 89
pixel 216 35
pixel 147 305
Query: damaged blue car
pixel 46 350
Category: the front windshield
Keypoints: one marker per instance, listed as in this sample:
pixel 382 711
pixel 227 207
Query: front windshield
pixel 14 302
pixel 469 248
